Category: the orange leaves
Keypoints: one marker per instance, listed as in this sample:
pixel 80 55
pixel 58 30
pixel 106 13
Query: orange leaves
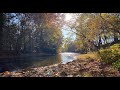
pixel 50 19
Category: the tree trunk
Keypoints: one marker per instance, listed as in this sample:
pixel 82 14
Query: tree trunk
pixel 100 42
pixel 1 28
pixel 115 38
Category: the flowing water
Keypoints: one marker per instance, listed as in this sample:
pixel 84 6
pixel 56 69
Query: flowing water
pixel 16 63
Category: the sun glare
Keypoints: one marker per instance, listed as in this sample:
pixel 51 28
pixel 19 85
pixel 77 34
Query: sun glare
pixel 68 17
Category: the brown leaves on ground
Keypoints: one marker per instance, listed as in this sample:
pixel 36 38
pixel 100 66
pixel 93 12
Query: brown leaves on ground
pixel 77 68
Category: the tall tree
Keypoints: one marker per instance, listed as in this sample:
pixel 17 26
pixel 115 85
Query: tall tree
pixel 2 21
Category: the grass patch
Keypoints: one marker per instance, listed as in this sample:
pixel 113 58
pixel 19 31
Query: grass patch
pixel 91 55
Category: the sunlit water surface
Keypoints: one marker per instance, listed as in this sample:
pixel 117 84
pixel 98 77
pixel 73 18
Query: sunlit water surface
pixel 16 63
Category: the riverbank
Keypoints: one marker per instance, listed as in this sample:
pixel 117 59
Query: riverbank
pixel 83 66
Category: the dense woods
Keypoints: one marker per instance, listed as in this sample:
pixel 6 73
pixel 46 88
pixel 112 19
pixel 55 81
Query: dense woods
pixel 29 32
pixel 41 32
pixel 95 31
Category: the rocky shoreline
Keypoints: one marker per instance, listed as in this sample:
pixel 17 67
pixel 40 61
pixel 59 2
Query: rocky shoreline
pixel 76 68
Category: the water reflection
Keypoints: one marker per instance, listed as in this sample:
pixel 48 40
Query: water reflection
pixel 48 61
pixel 68 57
pixel 16 63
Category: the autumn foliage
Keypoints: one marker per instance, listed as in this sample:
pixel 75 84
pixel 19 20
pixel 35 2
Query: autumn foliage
pixel 111 55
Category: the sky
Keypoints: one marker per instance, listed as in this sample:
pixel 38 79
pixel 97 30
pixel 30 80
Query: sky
pixel 70 18
pixel 67 34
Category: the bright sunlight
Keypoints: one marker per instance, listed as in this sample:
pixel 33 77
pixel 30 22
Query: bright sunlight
pixel 68 17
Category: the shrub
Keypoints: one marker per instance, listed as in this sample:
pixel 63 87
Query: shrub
pixel 111 55
pixel 115 46
pixel 116 64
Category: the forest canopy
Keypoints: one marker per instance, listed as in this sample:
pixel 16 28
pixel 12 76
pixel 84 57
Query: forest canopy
pixel 94 31
pixel 41 32
pixel 29 32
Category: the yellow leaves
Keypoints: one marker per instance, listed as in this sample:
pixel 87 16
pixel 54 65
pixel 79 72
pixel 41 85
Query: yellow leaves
pixel 110 55
pixel 92 55
pixel 98 60
pixel 94 25
pixel 111 19
pixel 104 15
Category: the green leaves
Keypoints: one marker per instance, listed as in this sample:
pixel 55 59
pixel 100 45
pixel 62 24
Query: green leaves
pixel 116 64
pixel 111 55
